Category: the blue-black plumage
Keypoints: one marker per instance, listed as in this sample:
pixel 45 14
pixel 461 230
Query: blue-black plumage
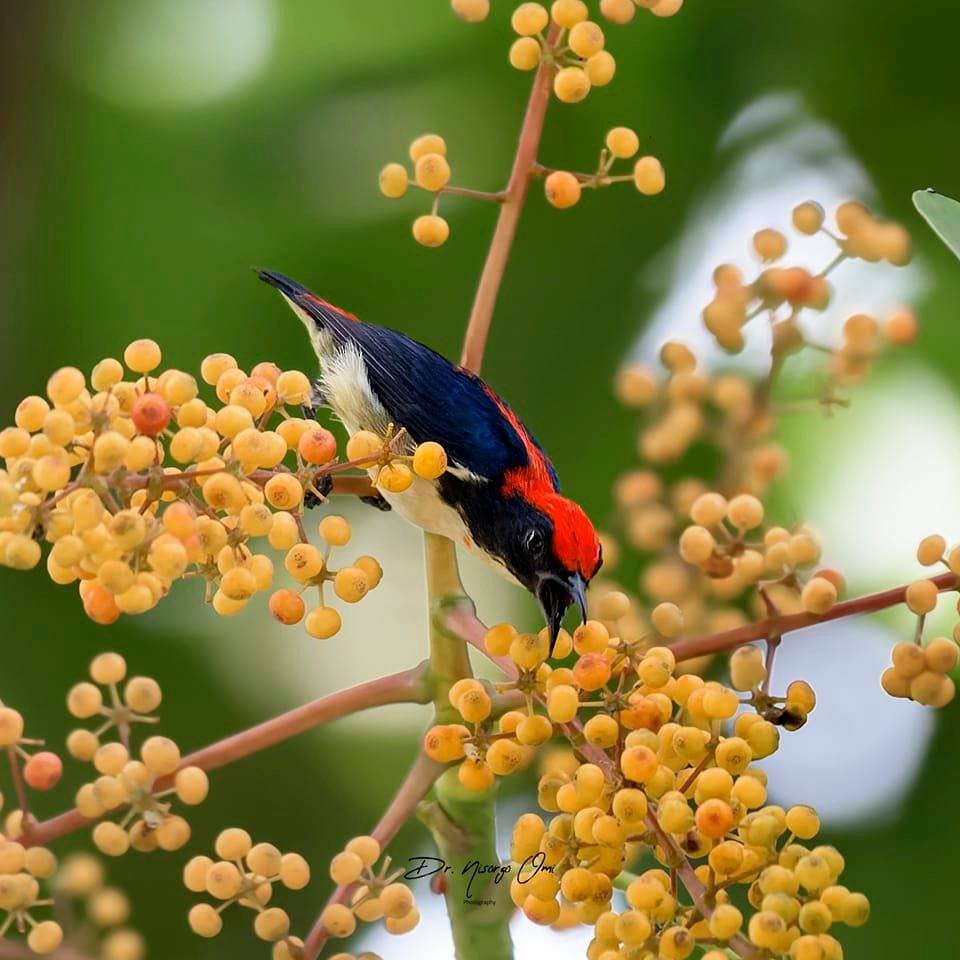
pixel 500 496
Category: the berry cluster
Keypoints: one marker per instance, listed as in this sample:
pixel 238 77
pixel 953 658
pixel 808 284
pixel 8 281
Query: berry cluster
pixel 919 672
pixel 431 172
pixel 119 712
pixel 730 545
pixel 245 873
pixel 563 189
pixel 666 762
pixel 21 872
pixel 376 893
pixel 136 483
pixel 783 292
pixel 566 38
pixel 125 784
pixel 705 568
pixel 102 910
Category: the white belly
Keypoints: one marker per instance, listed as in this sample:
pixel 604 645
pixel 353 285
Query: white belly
pixel 422 505
pixel 346 390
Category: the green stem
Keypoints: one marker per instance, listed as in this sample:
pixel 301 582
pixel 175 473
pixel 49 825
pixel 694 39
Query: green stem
pixel 463 828
pixel 449 659
pixel 461 820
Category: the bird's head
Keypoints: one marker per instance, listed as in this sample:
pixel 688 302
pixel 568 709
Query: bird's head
pixel 549 544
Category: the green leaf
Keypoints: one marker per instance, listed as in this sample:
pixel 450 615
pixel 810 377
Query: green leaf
pixel 943 214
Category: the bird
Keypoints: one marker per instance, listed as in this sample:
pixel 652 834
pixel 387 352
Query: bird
pixel 499 496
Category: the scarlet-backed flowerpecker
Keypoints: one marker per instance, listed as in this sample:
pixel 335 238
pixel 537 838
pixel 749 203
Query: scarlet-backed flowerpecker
pixel 499 497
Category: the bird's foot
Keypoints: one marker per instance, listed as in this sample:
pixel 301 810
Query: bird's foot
pixel 376 500
pixel 318 492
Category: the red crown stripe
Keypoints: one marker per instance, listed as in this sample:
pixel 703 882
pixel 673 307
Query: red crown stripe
pixel 330 306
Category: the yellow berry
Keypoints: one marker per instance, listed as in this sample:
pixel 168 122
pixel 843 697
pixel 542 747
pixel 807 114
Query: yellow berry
pixel 432 171
pixel 429 460
pixel 745 512
pixel 600 68
pixel 525 53
pixel 65 385
pixel 110 839
pixel 427 143
pixel 366 848
pixel 648 176
pixel 192 785
pixel 30 413
pixel 818 595
pixel 921 596
pixel 808 217
pixel 271 924
pixel 622 142
pixel 161 755
pixel 322 623
pixel 568 13
pixel 562 189
pixel 769 245
pixel 473 11
pixel 618 11
pixel 45 937
pixel 294 871
pixel 345 867
pixel 430 230
pixel 941 655
pixel 204 920
pixel 585 39
pixel 803 822
pixel 350 584
pixel 393 182
pixel 335 530
pixel 571 84
pixel 529 19
pixel 142 356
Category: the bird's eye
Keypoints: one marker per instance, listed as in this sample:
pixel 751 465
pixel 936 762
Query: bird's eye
pixel 535 541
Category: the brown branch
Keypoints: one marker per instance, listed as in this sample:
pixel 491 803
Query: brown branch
pixel 686 648
pixel 688 877
pixel 20 789
pixel 407 686
pixel 524 162
pixel 418 781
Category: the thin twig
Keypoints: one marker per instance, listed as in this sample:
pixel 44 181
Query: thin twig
pixel 686 648
pixel 418 781
pixel 485 300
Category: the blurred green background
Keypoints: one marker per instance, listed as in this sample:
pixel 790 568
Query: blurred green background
pixel 153 151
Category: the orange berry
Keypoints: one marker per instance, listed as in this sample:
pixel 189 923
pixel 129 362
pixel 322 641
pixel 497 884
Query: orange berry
pixel 150 414
pixel 317 445
pixel 714 818
pixel 43 770
pixel 639 764
pixel 286 606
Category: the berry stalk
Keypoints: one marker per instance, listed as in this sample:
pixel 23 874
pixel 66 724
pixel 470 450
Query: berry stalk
pixel 524 162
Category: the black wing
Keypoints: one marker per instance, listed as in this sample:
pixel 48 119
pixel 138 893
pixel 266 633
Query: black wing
pixel 423 391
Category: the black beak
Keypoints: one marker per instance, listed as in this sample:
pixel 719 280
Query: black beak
pixel 555 595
